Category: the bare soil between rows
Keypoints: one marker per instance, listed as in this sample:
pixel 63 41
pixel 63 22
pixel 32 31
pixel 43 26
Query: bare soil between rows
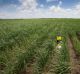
pixel 74 57
pixel 28 69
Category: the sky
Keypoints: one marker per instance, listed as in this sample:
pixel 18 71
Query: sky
pixel 12 9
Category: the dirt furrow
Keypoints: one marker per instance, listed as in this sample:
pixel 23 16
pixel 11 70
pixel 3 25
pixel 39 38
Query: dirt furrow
pixel 53 61
pixel 74 59
pixel 50 68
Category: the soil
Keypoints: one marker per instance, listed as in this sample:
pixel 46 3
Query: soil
pixel 50 67
pixel 28 69
pixel 74 58
pixel 2 66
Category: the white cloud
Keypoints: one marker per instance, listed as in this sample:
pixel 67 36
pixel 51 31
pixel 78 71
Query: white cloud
pixel 28 4
pixel 57 9
pixel 77 9
pixel 28 9
pixel 66 13
pixel 60 3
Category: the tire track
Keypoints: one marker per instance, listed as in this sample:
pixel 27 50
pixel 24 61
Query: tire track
pixel 53 61
pixel 74 60
pixel 50 68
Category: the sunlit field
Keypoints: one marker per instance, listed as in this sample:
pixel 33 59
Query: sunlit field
pixel 30 46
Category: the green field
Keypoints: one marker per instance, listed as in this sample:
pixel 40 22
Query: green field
pixel 29 46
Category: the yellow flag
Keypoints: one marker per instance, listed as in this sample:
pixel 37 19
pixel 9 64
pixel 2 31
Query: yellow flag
pixel 59 38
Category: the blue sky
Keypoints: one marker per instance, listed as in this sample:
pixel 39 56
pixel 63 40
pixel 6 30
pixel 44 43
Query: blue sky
pixel 66 3
pixel 6 2
pixel 28 7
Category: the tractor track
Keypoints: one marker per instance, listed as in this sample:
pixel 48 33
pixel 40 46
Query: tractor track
pixel 74 58
pixel 50 68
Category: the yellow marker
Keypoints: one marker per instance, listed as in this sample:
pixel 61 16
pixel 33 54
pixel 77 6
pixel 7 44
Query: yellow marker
pixel 59 38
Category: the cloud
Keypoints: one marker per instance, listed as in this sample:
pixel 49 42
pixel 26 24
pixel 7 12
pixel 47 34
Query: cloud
pixel 77 9
pixel 66 13
pixel 60 3
pixel 29 9
pixel 28 4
